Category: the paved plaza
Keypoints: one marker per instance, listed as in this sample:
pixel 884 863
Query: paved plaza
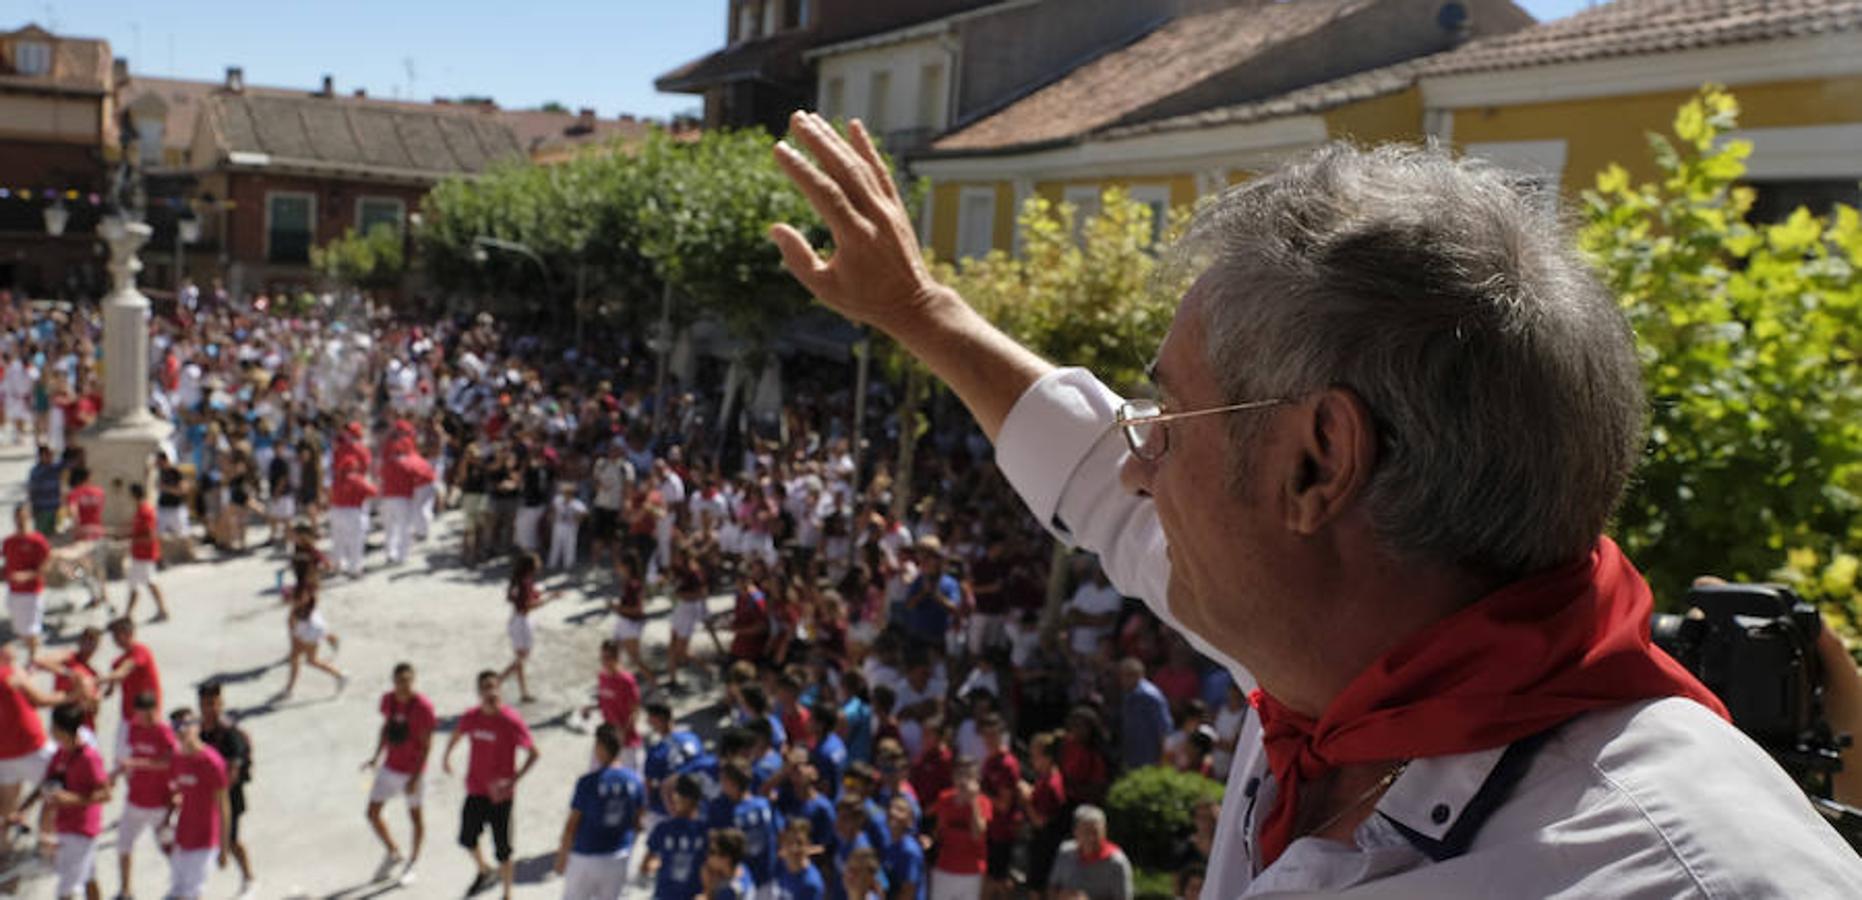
pixel 305 828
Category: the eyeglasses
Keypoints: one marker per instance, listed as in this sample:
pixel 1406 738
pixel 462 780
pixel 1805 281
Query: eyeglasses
pixel 1143 421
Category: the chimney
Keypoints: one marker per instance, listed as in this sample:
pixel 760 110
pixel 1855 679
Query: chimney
pixel 235 79
pixel 627 117
pixel 329 87
pixel 362 93
pixel 119 71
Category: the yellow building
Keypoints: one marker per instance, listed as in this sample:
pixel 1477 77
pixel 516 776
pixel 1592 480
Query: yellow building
pixel 1555 101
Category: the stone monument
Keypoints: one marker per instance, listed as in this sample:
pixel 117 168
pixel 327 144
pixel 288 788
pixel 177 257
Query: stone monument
pixel 119 446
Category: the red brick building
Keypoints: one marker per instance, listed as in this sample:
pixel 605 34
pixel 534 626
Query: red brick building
pixel 57 123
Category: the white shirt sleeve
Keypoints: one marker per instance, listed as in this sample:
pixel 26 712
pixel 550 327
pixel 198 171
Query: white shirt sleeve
pixel 1058 449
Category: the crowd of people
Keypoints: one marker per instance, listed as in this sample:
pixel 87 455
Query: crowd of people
pixel 905 714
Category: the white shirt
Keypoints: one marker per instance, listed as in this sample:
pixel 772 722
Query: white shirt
pixel 1653 799
pixel 611 478
pixel 1093 599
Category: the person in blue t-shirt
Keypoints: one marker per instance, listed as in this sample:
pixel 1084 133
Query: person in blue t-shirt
pixel 756 705
pixel 765 760
pixel 933 597
pixel 725 876
pixel 675 748
pixel 796 877
pixel 849 835
pixel 604 819
pixel 800 797
pixel 736 807
pixel 862 781
pixel 856 717
pixel 830 754
pixel 704 769
pixel 893 771
pixel 903 857
pixel 677 846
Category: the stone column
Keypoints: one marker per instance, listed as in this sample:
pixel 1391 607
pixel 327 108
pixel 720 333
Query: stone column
pixel 118 446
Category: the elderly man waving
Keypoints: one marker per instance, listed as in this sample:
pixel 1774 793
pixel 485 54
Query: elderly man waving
pixel 1393 414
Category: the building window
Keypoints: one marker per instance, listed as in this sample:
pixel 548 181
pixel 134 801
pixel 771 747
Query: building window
pixel 746 21
pixel 32 58
pixel 1085 200
pixel 976 222
pixel 290 223
pixel 1157 197
pixel 1776 200
pixel 795 14
pixel 373 211
pixel 834 98
pixel 149 139
pixel 931 96
pixel 877 88
pixel 772 16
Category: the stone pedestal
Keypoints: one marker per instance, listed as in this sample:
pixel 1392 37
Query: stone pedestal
pixel 118 446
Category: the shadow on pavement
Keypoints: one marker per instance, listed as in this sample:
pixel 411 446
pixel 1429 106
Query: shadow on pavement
pixel 536 869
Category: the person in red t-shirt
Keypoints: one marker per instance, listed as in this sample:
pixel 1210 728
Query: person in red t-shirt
pixel 87 501
pixel 963 815
pixel 145 550
pixel 350 490
pixel 1001 777
pixel 75 790
pixel 148 750
pixel 198 778
pixel 497 732
pixel 28 557
pixel 401 751
pixel 74 677
pixel 134 673
pixel 617 695
pixel 24 750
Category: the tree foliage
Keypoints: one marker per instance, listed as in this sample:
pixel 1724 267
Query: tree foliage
pixel 1748 334
pixel 373 260
pixel 1085 292
pixel 689 214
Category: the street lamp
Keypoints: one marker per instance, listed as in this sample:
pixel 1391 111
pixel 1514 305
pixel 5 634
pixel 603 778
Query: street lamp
pixel 56 216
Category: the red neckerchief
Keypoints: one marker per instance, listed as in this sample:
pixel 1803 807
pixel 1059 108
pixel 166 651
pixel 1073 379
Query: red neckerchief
pixel 1106 849
pixel 1521 660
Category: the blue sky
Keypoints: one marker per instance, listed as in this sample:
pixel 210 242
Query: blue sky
pixel 598 53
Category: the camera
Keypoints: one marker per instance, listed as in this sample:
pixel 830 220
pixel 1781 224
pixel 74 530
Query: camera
pixel 1755 647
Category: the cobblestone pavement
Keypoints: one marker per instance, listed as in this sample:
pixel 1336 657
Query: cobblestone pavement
pixel 305 828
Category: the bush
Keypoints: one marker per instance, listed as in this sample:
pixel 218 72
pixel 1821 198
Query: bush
pixel 1148 812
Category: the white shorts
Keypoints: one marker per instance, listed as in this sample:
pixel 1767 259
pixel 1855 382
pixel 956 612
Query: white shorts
pixel 135 822
pixel 626 629
pixel 141 572
pixel 27 612
pixel 686 615
pixel 390 784
pixel 309 631
pixel 171 520
pixel 283 507
pixel 188 871
pixel 75 864
pixel 947 886
pixel 523 637
pixel 27 767
pixel 595 877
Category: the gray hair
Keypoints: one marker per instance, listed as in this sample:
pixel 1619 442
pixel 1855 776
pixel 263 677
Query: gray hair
pixel 1502 377
pixel 1087 814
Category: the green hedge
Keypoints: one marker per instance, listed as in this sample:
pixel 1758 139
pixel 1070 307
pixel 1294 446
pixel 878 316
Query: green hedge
pixel 1148 811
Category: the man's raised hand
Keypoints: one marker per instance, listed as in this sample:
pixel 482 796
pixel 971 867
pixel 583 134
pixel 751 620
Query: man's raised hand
pixel 877 275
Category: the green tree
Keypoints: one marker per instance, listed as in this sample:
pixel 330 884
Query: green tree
pixel 373 260
pixel 1748 336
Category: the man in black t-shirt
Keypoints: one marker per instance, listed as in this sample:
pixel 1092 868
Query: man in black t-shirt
pixel 230 741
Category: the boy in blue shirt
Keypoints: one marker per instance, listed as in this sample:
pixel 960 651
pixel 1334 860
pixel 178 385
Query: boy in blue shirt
pixel 830 753
pixel 904 858
pixel 674 749
pixel 800 797
pixel 735 807
pixel 796 877
pixel 725 875
pixel 604 819
pixel 677 845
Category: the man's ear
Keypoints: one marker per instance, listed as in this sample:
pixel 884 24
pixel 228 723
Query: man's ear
pixel 1336 443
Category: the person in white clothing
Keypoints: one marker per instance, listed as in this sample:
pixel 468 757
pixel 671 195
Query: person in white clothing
pixel 1393 413
pixel 566 514
pixel 1090 613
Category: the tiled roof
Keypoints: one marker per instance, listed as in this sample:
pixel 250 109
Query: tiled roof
pixel 778 57
pixel 1629 27
pixel 1309 99
pixel 79 65
pixel 1172 58
pixel 185 99
pixel 360 137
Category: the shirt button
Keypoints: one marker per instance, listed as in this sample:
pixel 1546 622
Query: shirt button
pixel 1439 815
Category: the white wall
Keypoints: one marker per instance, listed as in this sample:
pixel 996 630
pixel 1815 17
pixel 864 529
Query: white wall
pixel 905 62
